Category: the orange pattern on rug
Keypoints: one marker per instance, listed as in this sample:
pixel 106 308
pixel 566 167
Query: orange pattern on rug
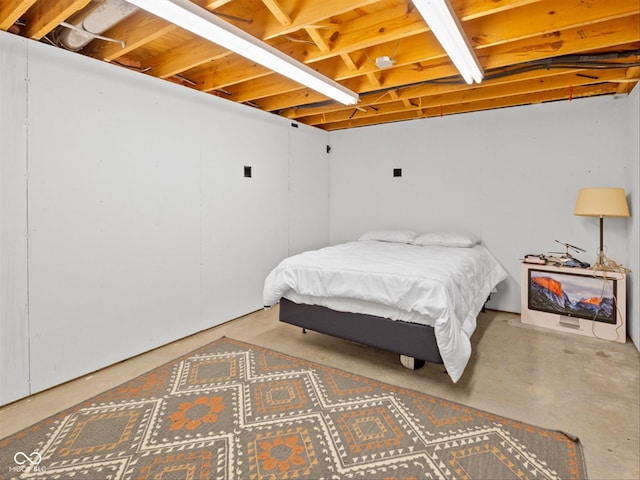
pixel 234 410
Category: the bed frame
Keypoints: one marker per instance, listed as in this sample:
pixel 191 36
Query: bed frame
pixel 418 342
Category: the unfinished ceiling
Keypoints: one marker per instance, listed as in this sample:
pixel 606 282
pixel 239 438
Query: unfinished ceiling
pixel 532 51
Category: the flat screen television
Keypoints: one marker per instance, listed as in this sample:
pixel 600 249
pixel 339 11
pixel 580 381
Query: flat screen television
pixel 573 295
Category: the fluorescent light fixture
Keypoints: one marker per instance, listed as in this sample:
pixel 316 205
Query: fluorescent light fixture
pixel 205 24
pixel 445 26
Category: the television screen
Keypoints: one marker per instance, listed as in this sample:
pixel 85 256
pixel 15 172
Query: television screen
pixel 573 295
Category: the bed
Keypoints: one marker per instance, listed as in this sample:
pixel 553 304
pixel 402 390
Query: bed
pixel 416 295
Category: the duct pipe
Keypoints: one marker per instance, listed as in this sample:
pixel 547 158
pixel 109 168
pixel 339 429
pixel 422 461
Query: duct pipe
pixel 92 22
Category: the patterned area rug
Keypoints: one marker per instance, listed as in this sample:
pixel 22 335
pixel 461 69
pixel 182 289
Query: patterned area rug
pixel 233 410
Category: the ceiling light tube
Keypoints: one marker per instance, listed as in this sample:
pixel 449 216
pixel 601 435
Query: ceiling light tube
pixel 445 26
pixel 205 24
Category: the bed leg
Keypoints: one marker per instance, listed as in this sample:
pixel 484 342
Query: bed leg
pixel 484 305
pixel 304 330
pixel 411 363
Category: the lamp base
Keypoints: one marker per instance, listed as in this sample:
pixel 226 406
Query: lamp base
pixel 601 262
pixel 605 264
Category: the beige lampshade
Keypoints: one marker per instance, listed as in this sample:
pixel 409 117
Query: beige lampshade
pixel 602 202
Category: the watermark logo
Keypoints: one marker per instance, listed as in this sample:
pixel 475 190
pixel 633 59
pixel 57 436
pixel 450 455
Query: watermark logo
pixel 21 458
pixel 24 461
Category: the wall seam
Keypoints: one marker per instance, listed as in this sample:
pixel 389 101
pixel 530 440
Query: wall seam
pixel 27 239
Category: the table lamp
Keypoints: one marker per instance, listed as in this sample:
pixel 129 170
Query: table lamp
pixel 602 202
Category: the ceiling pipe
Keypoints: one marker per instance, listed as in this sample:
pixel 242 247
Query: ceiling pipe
pixel 93 21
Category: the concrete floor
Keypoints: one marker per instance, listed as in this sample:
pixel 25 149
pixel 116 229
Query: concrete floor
pixel 583 386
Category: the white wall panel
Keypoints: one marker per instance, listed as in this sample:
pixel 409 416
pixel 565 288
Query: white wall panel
pixel 633 194
pixel 14 327
pixel 308 189
pixel 143 228
pixel 509 175
pixel 114 215
pixel 244 230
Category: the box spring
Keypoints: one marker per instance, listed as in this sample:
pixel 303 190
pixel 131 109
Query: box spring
pixel 409 339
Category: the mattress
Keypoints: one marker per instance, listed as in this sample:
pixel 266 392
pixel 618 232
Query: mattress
pixel 443 287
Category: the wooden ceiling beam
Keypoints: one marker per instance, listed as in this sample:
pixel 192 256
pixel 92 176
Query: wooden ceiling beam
pixel 183 58
pixel 187 55
pixel 226 71
pixel 401 22
pixel 316 12
pixel 12 10
pixel 504 28
pixel 408 94
pixel 562 93
pixel 318 39
pixel 259 88
pixel 288 99
pixel 392 30
pixel 609 35
pixel 389 26
pixel 631 78
pixel 136 31
pixel 374 80
pixel 215 4
pixel 278 12
pixel 467 10
pixel 481 93
pixel 306 13
pixel 342 39
pixel 46 15
pixel 424 48
pixel 584 38
pixel 186 50
pixel 348 61
pixel 545 17
pixel 571 41
pixel 526 99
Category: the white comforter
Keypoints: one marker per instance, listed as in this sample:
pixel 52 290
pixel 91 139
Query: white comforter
pixel 439 286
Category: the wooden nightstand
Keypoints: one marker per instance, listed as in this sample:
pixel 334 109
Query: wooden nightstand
pixel 575 300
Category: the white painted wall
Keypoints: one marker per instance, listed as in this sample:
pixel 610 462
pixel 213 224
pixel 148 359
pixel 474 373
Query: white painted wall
pixel 142 227
pixel 633 187
pixel 510 175
pixel 14 334
pixel 308 189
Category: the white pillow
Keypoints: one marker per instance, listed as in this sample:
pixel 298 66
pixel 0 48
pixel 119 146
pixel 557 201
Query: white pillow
pixel 447 239
pixel 398 236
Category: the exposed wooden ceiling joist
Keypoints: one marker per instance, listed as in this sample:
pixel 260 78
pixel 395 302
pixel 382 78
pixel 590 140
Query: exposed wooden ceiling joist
pixel 532 51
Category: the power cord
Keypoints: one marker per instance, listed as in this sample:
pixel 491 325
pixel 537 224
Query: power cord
pixel 604 264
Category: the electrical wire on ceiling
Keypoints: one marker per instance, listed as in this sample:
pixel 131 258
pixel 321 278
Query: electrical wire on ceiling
pixel 298 40
pixel 596 61
pixel 233 17
pixel 132 67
